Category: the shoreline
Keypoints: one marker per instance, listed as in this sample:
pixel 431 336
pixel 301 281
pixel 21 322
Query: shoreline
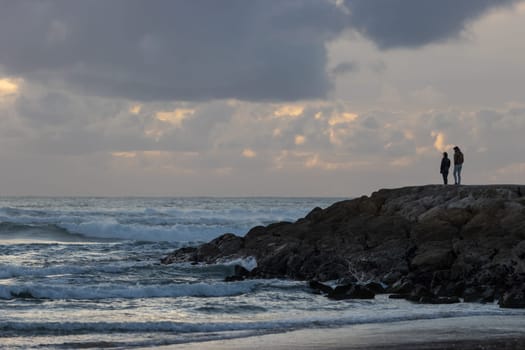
pixel 478 332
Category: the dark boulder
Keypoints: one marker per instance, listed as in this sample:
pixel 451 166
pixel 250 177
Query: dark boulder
pixel 319 287
pixel 239 274
pixel 515 298
pixel 186 254
pixel 375 287
pixel 439 300
pixel 398 296
pixel 403 286
pixel 351 291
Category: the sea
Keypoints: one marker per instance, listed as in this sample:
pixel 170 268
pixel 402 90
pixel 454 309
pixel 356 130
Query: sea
pixel 86 273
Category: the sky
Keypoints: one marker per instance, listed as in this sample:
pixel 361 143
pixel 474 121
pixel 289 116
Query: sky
pixel 257 98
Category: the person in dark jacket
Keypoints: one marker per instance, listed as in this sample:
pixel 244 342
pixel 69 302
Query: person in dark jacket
pixel 445 165
pixel 458 165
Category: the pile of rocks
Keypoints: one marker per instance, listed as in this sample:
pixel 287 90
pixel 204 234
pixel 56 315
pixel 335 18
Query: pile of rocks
pixel 425 243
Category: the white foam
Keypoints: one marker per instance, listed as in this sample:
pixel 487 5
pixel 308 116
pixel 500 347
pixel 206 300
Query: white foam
pixel 249 263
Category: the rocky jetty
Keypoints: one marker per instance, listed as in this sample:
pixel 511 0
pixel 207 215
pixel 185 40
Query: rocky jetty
pixel 430 243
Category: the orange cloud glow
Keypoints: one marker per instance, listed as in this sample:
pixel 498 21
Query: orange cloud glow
pixel 175 117
pixel 342 118
pixel 248 153
pixel 8 87
pixel 289 111
pixel 439 142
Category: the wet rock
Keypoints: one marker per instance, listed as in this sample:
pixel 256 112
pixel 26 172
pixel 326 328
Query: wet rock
pixel 319 287
pixel 392 277
pixel 515 298
pixel 375 287
pixel 234 278
pixel 403 286
pixel 480 294
pixel 239 274
pixel 439 300
pixel 398 296
pixel 351 291
pixel 420 293
pixel 186 254
pixel 314 215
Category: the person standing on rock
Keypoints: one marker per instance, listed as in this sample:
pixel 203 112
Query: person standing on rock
pixel 445 166
pixel 458 164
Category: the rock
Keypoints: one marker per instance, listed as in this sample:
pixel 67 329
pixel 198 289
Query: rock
pixel 433 257
pixel 439 300
pixel 398 296
pixel 239 274
pixel 420 293
pixel 351 291
pixel 234 278
pixel 186 254
pixel 391 277
pixel 481 294
pixel 403 286
pixel 320 287
pixel 314 214
pixel 375 287
pixel 515 298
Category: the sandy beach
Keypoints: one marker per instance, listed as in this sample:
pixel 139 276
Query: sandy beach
pixel 483 332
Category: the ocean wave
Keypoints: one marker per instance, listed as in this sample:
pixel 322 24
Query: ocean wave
pixel 112 229
pixel 65 328
pixel 11 230
pixel 109 291
pixel 169 220
pixel 12 271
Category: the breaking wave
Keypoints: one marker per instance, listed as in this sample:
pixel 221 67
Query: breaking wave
pixel 171 220
pixel 108 291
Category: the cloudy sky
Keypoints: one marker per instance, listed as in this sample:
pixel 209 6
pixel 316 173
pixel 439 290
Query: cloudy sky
pixel 258 97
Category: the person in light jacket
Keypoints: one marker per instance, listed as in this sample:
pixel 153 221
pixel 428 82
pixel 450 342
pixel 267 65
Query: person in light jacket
pixel 458 165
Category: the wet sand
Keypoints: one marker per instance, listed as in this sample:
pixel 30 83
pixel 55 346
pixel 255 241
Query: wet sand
pixel 480 332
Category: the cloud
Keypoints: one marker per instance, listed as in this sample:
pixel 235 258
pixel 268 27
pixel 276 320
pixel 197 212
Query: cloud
pixel 175 117
pixel 173 50
pixel 440 142
pixel 124 154
pixel 299 140
pixel 342 118
pixel 135 109
pixel 344 67
pixel 50 108
pixel 414 23
pixel 249 153
pixel 258 50
pixel 289 111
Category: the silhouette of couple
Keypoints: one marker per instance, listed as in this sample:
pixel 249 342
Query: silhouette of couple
pixel 458 164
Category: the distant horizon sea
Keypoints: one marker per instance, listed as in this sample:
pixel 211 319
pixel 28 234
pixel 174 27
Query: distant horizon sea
pixel 85 272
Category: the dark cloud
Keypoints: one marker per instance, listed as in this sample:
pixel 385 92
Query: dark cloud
pixel 413 23
pixel 173 50
pixel 197 50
